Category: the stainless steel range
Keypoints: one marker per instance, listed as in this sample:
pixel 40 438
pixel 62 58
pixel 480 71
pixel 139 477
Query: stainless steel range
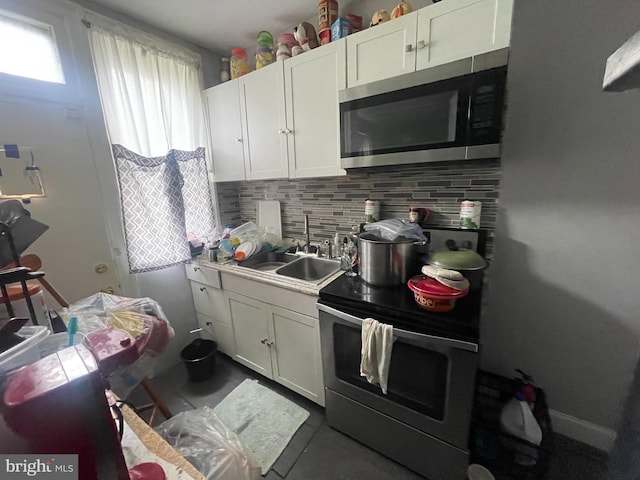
pixel 423 420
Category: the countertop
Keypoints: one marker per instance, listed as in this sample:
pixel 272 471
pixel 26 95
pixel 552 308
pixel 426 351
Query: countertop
pixel 269 277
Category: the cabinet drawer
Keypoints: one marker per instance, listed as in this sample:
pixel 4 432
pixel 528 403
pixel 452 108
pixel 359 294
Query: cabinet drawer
pixel 210 301
pixel 204 275
pixel 221 333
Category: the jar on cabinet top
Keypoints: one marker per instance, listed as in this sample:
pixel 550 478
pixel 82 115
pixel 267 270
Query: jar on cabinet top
pixel 239 65
pixel 225 69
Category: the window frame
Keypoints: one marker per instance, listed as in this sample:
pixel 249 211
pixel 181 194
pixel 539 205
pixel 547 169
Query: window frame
pixel 16 87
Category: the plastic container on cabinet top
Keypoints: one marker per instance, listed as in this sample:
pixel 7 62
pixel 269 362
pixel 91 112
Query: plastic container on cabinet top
pixel 239 65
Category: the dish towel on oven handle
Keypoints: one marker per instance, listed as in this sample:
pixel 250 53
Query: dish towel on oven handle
pixel 377 342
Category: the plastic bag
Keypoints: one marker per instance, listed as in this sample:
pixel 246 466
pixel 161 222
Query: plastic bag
pixel 143 318
pixel 396 229
pixel 214 450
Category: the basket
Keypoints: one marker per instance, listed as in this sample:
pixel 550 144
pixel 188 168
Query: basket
pixel 505 455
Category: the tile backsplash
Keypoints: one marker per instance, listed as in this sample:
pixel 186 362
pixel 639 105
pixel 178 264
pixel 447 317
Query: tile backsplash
pixel 336 204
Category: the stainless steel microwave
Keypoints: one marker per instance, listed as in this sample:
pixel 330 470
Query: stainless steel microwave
pixel 445 113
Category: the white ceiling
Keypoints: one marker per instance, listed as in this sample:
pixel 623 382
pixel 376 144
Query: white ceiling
pixel 221 25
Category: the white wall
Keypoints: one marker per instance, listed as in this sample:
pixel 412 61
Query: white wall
pixel 73 151
pixel 563 301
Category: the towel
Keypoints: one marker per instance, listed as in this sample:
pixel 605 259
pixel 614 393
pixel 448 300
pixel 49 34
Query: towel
pixel 377 341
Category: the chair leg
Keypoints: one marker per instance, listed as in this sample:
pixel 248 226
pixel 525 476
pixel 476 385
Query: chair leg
pixel 158 402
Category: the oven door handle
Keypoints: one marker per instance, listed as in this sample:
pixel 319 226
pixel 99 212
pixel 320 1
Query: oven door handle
pixel 399 333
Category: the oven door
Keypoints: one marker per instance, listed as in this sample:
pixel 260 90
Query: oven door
pixel 431 379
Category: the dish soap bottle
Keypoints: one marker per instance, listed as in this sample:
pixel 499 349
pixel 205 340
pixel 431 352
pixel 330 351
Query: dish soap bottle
pixel 517 419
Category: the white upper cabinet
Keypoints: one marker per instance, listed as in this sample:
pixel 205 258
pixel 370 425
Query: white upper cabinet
pixel 448 31
pixel 246 118
pixel 282 121
pixel 312 82
pixel 383 51
pixel 262 108
pixel 436 34
pixel 225 124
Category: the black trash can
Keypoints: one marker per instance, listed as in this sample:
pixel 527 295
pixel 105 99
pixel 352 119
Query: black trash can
pixel 200 359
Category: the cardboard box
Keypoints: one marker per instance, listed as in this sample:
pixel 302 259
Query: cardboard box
pixel 340 28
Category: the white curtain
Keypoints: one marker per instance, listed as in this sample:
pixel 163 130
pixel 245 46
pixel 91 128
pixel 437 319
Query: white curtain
pixel 150 90
pixel 151 97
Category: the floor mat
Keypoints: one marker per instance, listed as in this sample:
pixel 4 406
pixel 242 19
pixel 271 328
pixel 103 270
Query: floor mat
pixel 264 420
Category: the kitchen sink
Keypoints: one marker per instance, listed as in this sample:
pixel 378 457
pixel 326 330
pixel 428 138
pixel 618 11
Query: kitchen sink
pixel 310 269
pixel 268 261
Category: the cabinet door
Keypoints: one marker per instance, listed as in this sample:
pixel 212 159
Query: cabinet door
pixel 221 332
pixel 383 51
pixel 210 301
pixel 295 353
pixel 225 127
pixel 449 31
pixel 262 106
pixel 250 332
pixel 312 82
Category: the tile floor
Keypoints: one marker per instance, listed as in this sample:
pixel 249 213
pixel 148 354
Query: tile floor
pixel 317 452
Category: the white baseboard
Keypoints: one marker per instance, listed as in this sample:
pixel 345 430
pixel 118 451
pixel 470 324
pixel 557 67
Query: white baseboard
pixel 583 431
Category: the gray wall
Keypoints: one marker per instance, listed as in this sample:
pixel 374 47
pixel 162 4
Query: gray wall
pixel 563 303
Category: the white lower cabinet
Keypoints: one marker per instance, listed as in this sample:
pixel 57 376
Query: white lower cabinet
pixel 212 309
pixel 251 332
pixel 276 333
pixel 269 329
pixel 295 358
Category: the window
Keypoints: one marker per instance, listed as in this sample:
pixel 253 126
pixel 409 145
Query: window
pixel 28 49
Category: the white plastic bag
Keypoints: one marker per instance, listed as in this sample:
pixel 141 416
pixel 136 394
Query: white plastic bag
pixel 214 450
pixel 396 229
pixel 143 318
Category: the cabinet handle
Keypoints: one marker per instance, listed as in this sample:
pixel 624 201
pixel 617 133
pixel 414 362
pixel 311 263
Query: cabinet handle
pixel 239 140
pixel 421 44
pixel 203 289
pixel 268 344
pixel 408 48
pixel 284 131
pixel 195 269
pixel 264 341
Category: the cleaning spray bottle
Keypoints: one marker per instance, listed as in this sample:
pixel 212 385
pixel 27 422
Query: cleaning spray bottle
pixel 517 419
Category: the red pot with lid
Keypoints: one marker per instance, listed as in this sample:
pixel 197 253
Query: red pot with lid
pixel 433 295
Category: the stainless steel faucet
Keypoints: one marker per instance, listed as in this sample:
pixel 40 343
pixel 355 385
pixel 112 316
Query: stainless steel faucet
pixel 307 240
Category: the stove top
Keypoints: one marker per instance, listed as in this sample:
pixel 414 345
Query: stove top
pixel 396 306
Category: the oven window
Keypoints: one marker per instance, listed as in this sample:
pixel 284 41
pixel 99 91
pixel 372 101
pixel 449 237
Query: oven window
pixel 417 376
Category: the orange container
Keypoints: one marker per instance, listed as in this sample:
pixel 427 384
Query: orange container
pixel 327 14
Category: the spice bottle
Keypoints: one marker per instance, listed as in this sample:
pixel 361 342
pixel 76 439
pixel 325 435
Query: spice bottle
pixel 371 211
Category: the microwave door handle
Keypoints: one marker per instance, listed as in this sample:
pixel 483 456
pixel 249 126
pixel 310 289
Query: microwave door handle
pixel 399 333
